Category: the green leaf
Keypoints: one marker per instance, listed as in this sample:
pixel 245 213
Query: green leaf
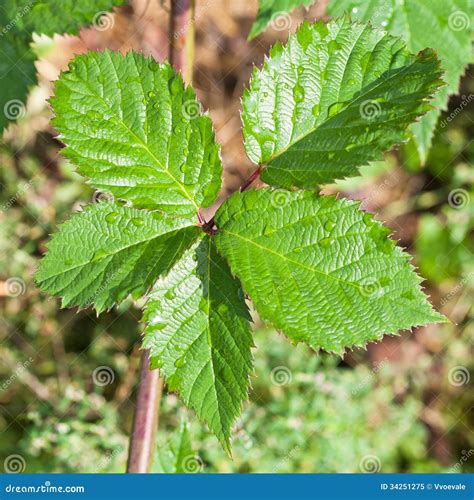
pixel 107 252
pixel 443 25
pixel 17 74
pixel 320 269
pixel 53 16
pixel 333 99
pixel 177 455
pixel 133 129
pixel 276 11
pixel 198 333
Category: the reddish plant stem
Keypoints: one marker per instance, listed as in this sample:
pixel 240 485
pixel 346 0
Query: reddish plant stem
pixel 181 33
pixel 251 179
pixel 142 441
pixel 209 226
pixel 140 457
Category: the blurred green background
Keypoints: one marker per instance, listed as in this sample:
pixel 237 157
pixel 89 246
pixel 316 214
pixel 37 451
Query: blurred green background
pixel 68 378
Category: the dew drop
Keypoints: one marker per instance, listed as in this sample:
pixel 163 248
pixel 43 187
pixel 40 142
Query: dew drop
pixel 153 66
pixel 175 86
pixel 384 281
pixel 170 295
pixel 151 94
pixel 329 225
pixel 110 218
pixel 179 362
pixel 315 110
pixel 99 254
pixel 335 108
pixel 326 242
pixel 159 325
pixel 137 221
pixel 333 46
pixel 298 93
pixel 222 309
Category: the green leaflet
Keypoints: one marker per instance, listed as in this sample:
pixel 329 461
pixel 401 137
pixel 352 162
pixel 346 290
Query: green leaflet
pixel 198 333
pixel 177 455
pixel 107 252
pixel 333 99
pixel 132 127
pixel 52 16
pixel 443 25
pixel 320 269
pixel 17 73
pixel 276 11
pixel 18 20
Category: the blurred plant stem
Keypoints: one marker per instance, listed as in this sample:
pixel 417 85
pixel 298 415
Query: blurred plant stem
pixel 142 441
pixel 181 36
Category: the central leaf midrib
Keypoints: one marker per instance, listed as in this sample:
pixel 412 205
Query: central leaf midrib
pixel 348 103
pixel 143 144
pixel 127 247
pixel 297 263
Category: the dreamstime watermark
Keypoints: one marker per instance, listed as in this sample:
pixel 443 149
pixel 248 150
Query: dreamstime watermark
pixel 191 109
pixel 14 287
pixel 372 288
pixel 14 464
pixel 370 464
pixel 109 458
pixel 281 375
pixel 281 21
pixel 289 456
pixel 452 293
pixel 201 9
pixel 459 21
pixel 389 182
pixel 192 464
pixel 280 198
pixel 20 14
pixel 465 456
pixel 366 380
pixel 22 190
pixel 458 198
pixel 16 374
pixel 103 21
pixel 458 376
pixel 466 99
pixel 14 109
pixel 370 110
pixel 105 286
pixel 103 375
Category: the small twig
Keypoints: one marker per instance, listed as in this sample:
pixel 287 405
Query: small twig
pixel 142 442
pixel 181 32
pixel 251 179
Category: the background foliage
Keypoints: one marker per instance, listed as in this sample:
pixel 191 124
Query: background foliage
pixel 67 380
